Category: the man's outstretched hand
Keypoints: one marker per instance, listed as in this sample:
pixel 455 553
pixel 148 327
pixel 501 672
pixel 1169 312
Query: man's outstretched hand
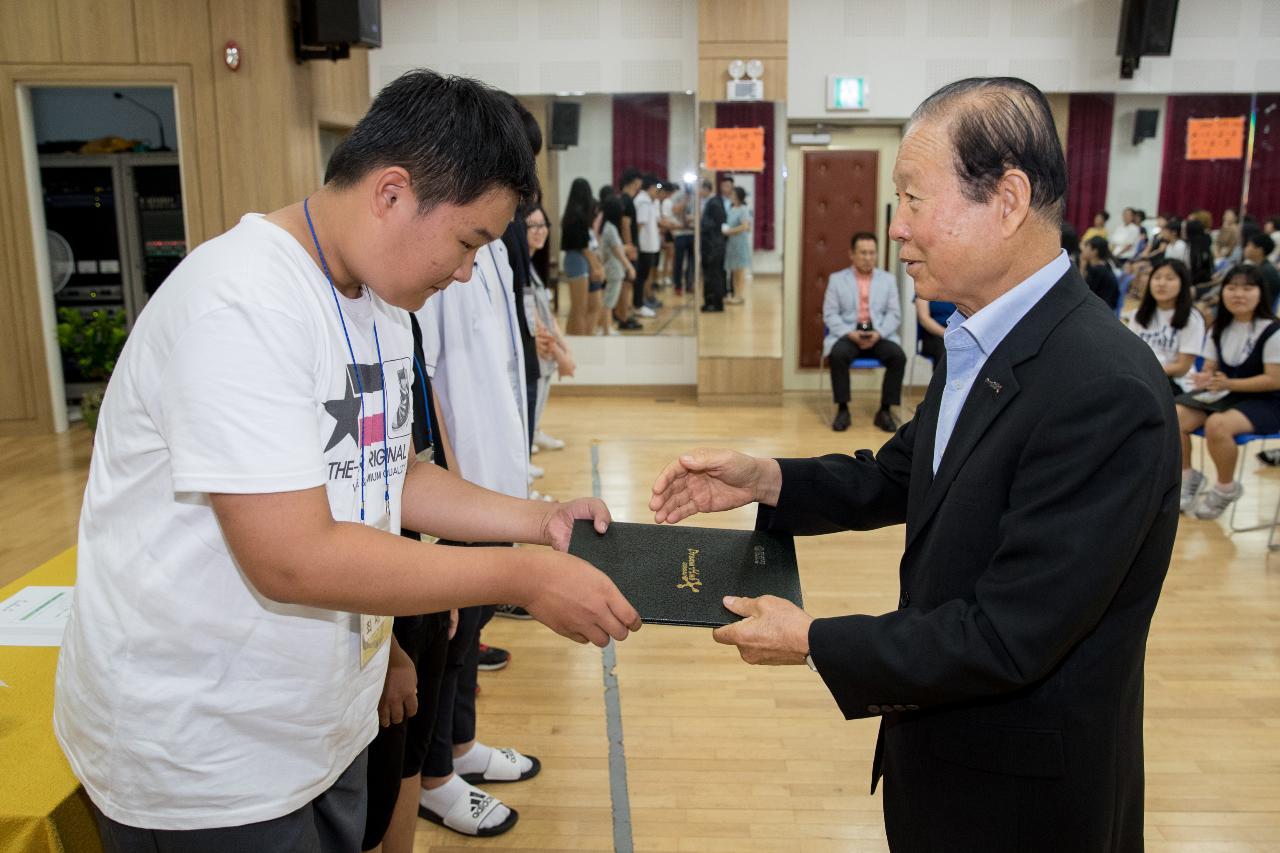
pixel 713 480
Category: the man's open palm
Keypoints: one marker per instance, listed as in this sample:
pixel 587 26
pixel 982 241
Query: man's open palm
pixel 704 481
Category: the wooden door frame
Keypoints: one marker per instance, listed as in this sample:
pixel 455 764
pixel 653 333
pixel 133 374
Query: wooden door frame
pixel 22 217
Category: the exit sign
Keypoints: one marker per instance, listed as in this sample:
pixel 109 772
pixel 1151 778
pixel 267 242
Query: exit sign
pixel 846 93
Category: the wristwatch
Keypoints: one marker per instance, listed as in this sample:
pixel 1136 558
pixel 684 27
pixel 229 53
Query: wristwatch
pixel 809 660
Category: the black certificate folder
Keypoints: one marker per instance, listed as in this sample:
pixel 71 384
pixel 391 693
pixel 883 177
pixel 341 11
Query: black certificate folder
pixel 678 575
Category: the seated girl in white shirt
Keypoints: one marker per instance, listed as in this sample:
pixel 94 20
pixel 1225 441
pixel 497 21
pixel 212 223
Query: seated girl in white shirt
pixel 1168 322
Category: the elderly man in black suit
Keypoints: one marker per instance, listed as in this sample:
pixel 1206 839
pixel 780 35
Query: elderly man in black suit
pixel 1039 487
pixel 713 245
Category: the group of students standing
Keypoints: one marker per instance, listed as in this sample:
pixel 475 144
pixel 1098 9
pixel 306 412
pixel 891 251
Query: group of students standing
pixel 620 248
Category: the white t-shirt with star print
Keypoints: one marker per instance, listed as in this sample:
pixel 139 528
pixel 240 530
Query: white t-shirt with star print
pixel 185 699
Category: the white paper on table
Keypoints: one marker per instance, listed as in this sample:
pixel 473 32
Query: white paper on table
pixel 35 616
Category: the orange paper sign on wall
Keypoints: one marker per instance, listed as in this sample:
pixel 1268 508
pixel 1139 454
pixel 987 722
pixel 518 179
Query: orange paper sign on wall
pixel 1215 138
pixel 735 149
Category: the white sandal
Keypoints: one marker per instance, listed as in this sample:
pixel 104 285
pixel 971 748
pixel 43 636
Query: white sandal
pixel 469 811
pixel 503 766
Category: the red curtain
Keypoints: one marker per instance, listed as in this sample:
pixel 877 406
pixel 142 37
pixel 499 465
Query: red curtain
pixel 1264 177
pixel 1088 156
pixel 641 129
pixel 1187 185
pixel 756 114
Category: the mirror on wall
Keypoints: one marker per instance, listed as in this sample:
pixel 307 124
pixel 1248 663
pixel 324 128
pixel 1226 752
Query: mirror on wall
pixel 621 185
pixel 747 322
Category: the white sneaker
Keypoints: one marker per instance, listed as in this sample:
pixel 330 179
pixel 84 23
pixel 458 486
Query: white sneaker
pixel 541 439
pixel 1191 487
pixel 533 448
pixel 646 311
pixel 1214 502
pixel 535 472
pixel 613 330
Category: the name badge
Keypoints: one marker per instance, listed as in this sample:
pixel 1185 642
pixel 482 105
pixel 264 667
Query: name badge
pixel 375 631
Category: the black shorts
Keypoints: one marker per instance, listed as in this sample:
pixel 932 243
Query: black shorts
pixel 399 751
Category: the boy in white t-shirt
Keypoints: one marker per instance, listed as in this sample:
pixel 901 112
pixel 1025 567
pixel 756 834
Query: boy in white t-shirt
pixel 218 685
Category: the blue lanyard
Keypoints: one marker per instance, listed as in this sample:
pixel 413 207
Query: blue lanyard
pixel 355 370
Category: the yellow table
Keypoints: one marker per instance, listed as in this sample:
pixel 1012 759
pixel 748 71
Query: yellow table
pixel 43 809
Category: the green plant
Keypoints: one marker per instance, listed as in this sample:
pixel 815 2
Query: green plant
pixel 93 342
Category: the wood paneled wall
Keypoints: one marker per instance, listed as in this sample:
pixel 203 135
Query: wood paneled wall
pixel 742 29
pixel 247 140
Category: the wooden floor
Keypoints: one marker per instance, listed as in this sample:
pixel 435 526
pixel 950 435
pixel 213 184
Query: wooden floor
pixel 751 330
pixel 725 757
pixel 677 317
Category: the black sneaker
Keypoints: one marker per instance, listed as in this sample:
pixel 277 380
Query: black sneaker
pixel 841 422
pixel 885 420
pixel 492 657
pixel 511 611
pixel 1269 457
pixel 630 325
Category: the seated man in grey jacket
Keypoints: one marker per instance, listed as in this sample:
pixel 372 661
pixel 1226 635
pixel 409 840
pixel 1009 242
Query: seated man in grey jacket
pixel 863 311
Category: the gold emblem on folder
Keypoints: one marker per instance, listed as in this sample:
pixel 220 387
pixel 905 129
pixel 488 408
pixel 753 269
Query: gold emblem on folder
pixel 689 573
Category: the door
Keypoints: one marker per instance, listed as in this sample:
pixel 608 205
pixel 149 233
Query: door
pixel 839 201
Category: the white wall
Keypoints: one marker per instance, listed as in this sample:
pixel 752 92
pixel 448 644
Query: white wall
pixel 906 49
pixel 1133 176
pixel 541 47
pixel 592 157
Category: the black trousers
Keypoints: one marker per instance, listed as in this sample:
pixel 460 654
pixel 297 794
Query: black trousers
pixel 889 354
pixel 455 720
pixel 645 262
pixel 682 273
pixel 713 282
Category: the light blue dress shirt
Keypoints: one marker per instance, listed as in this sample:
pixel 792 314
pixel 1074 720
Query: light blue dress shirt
pixel 971 340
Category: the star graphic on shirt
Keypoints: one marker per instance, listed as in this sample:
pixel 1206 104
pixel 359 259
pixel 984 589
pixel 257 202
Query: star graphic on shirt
pixel 346 413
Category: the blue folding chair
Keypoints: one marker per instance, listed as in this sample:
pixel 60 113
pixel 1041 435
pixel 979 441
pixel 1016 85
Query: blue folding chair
pixel 1243 440
pixel 858 364
pixel 1123 282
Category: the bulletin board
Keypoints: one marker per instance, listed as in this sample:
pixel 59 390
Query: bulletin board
pixel 1215 138
pixel 735 149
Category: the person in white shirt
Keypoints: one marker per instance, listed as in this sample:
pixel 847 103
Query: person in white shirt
pixel 471 350
pixel 650 240
pixel 1169 323
pixel 1176 248
pixel 1124 240
pixel 1237 391
pixel 218 684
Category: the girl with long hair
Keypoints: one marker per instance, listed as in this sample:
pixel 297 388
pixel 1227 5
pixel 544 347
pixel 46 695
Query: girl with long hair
pixel 1237 392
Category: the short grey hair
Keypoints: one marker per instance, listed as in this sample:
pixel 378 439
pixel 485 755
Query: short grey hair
pixel 997 124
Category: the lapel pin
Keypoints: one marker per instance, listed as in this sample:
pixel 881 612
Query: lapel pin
pixel 993 385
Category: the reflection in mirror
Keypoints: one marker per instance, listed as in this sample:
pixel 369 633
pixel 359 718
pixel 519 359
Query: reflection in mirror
pixel 741 312
pixel 620 201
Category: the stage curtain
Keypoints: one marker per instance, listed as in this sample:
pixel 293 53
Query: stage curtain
pixel 1088 156
pixel 757 114
pixel 1187 185
pixel 641 130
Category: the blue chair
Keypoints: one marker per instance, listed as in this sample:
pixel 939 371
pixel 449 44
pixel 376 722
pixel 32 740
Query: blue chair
pixel 858 364
pixel 1123 282
pixel 1243 440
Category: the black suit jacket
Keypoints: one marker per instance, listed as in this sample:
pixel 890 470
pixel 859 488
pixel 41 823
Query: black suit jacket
pixel 1010 677
pixel 713 216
